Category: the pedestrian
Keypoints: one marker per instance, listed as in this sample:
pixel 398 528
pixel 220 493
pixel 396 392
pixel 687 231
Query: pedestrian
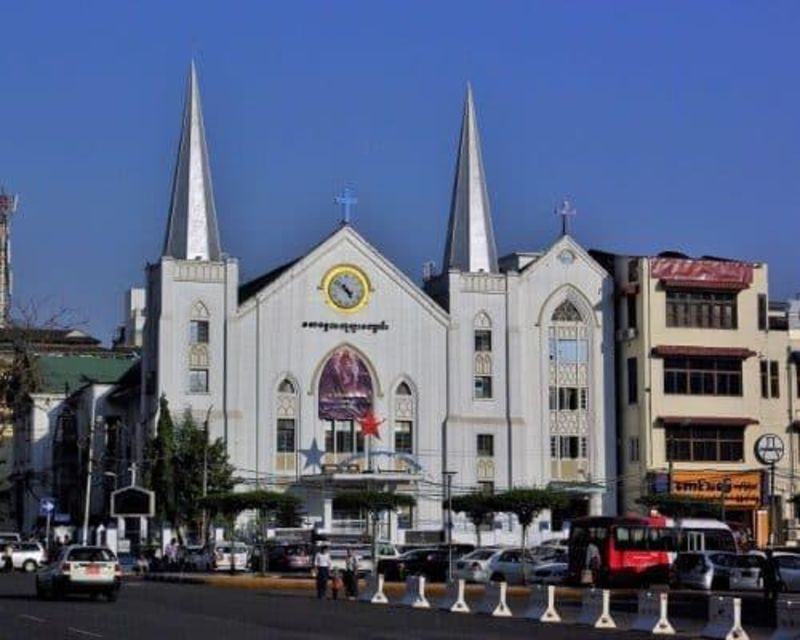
pixel 592 564
pixel 771 581
pixel 172 555
pixel 322 569
pixel 336 584
pixel 8 558
pixel 351 574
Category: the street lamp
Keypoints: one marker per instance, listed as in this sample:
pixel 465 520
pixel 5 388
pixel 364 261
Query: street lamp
pixel 448 477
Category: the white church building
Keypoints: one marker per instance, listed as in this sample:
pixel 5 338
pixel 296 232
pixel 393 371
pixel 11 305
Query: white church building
pixel 498 369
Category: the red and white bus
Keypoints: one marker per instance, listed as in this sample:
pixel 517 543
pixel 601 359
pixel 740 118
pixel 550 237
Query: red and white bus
pixel 640 550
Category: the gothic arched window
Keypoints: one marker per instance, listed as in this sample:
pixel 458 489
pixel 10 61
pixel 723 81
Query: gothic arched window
pixel 405 412
pixel 286 411
pixel 482 357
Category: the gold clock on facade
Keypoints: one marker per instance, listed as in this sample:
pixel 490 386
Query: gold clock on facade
pixel 346 288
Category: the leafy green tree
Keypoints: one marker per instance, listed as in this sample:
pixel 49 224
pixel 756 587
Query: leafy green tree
pixel 190 443
pixel 268 503
pixel 477 506
pixel 162 475
pixel 526 503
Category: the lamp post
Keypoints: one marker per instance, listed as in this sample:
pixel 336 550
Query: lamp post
pixel 448 477
pixel 205 474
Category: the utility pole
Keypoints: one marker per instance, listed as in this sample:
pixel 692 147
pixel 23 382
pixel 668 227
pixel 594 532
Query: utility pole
pixel 448 478
pixel 89 470
pixel 205 475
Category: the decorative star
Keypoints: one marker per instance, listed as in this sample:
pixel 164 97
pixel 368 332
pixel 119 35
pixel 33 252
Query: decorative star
pixel 369 425
pixel 313 455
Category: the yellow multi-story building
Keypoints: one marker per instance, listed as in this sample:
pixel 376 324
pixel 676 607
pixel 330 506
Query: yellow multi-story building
pixel 705 367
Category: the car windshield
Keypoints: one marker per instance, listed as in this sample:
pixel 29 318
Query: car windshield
pixel 29 547
pixel 89 554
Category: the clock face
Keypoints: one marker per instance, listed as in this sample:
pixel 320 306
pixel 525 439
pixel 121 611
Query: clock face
pixel 346 288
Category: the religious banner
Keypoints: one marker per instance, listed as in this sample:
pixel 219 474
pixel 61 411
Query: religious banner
pixel 345 387
pixel 741 489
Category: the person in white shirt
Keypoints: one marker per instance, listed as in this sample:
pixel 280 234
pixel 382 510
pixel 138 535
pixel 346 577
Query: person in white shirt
pixel 322 568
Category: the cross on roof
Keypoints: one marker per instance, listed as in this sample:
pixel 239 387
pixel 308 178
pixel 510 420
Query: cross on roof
pixel 347 200
pixel 566 210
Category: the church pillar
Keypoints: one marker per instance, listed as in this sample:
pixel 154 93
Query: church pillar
pixel 327 514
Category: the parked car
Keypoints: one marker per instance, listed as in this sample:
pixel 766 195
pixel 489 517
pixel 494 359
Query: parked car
pixel 197 558
pixel 548 573
pixel 509 565
pixel 27 556
pixel 229 555
pixel 474 567
pixel 289 557
pixel 77 569
pixel 704 569
pixel 128 564
pixel 746 574
pixel 789 570
pixel 431 563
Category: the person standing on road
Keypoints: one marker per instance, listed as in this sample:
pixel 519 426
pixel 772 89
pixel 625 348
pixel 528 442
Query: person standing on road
pixel 592 566
pixel 771 581
pixel 322 568
pixel 351 574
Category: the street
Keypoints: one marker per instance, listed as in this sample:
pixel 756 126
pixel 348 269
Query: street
pixel 155 610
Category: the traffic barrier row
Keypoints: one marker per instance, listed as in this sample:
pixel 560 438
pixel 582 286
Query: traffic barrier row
pixel 724 613
pixel 787 614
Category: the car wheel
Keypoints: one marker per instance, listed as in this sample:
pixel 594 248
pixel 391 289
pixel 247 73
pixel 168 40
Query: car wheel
pixel 112 595
pixel 497 577
pixel 29 566
pixel 93 596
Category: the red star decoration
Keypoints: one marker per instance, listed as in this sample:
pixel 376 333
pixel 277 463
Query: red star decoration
pixel 369 425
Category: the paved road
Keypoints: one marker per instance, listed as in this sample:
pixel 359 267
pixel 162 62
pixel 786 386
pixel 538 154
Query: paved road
pixel 154 610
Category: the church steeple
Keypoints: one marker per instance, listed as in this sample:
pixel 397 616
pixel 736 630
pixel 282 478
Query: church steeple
pixel 470 235
pixel 192 232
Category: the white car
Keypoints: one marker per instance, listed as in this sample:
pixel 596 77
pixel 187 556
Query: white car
pixel 92 570
pixel 230 555
pixel 27 556
pixel 474 567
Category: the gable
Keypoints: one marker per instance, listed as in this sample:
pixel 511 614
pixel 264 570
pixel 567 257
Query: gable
pixel 344 242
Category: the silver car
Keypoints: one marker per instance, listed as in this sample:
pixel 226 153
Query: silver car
pixel 746 574
pixel 27 556
pixel 705 569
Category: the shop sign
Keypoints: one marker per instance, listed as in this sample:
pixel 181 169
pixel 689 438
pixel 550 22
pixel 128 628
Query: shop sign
pixel 741 489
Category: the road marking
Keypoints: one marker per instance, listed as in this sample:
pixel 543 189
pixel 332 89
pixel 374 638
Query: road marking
pixel 84 633
pixel 29 617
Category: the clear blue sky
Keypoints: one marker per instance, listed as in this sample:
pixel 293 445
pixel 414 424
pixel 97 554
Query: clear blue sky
pixel 672 125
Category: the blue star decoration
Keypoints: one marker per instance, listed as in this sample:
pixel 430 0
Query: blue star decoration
pixel 313 455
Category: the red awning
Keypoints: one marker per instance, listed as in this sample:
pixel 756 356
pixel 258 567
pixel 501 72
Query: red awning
pixel 706 421
pixel 704 284
pixel 702 273
pixel 702 352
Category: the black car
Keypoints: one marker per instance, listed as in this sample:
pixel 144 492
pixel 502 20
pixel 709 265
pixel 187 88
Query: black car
pixel 431 563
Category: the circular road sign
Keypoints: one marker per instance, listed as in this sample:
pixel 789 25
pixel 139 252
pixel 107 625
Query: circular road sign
pixel 769 448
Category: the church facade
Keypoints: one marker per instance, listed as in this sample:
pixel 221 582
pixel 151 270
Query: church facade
pixel 337 371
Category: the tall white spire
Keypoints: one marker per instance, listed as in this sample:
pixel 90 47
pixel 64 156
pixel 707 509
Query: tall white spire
pixel 192 232
pixel 470 235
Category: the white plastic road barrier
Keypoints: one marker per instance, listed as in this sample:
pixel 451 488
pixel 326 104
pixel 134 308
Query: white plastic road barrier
pixel 373 593
pixel 652 614
pixel 494 600
pixel 724 619
pixel 788 618
pixel 454 597
pixel 542 604
pixel 595 609
pixel 415 593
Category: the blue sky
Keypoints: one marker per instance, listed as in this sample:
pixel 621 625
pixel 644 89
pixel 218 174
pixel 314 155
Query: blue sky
pixel 671 125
